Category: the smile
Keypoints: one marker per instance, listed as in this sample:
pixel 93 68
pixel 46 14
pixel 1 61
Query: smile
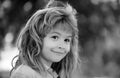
pixel 58 52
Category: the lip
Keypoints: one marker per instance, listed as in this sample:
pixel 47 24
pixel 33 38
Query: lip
pixel 58 52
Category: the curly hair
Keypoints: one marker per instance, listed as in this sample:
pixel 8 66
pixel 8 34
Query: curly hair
pixel 30 39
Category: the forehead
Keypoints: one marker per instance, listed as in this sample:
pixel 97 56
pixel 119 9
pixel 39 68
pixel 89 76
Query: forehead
pixel 61 30
pixel 65 27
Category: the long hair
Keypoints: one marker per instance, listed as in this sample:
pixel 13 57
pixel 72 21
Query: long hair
pixel 30 39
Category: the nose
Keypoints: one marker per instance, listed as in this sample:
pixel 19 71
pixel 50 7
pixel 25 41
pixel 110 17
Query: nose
pixel 61 45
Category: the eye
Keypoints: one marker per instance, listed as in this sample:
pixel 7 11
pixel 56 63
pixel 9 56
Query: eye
pixel 55 37
pixel 67 40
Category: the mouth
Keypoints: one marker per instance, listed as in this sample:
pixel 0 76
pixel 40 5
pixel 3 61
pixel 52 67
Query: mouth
pixel 58 52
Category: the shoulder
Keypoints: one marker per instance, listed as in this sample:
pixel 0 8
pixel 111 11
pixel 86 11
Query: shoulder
pixel 24 71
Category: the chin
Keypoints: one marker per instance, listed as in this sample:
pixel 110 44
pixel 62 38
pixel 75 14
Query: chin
pixel 57 60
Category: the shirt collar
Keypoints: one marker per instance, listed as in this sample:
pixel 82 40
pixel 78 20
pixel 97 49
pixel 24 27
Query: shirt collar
pixel 46 67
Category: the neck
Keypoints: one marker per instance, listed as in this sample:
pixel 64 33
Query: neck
pixel 46 63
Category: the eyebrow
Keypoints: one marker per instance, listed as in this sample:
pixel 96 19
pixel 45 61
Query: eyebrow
pixel 60 34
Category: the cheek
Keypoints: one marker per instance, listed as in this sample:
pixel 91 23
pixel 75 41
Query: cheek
pixel 49 44
pixel 68 48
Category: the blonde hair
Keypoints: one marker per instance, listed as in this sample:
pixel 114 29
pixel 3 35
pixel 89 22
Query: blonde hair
pixel 38 26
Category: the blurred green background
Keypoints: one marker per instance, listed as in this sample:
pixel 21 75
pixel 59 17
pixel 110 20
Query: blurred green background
pixel 99 36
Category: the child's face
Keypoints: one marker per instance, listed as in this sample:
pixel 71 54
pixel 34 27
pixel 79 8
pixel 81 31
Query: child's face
pixel 56 44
